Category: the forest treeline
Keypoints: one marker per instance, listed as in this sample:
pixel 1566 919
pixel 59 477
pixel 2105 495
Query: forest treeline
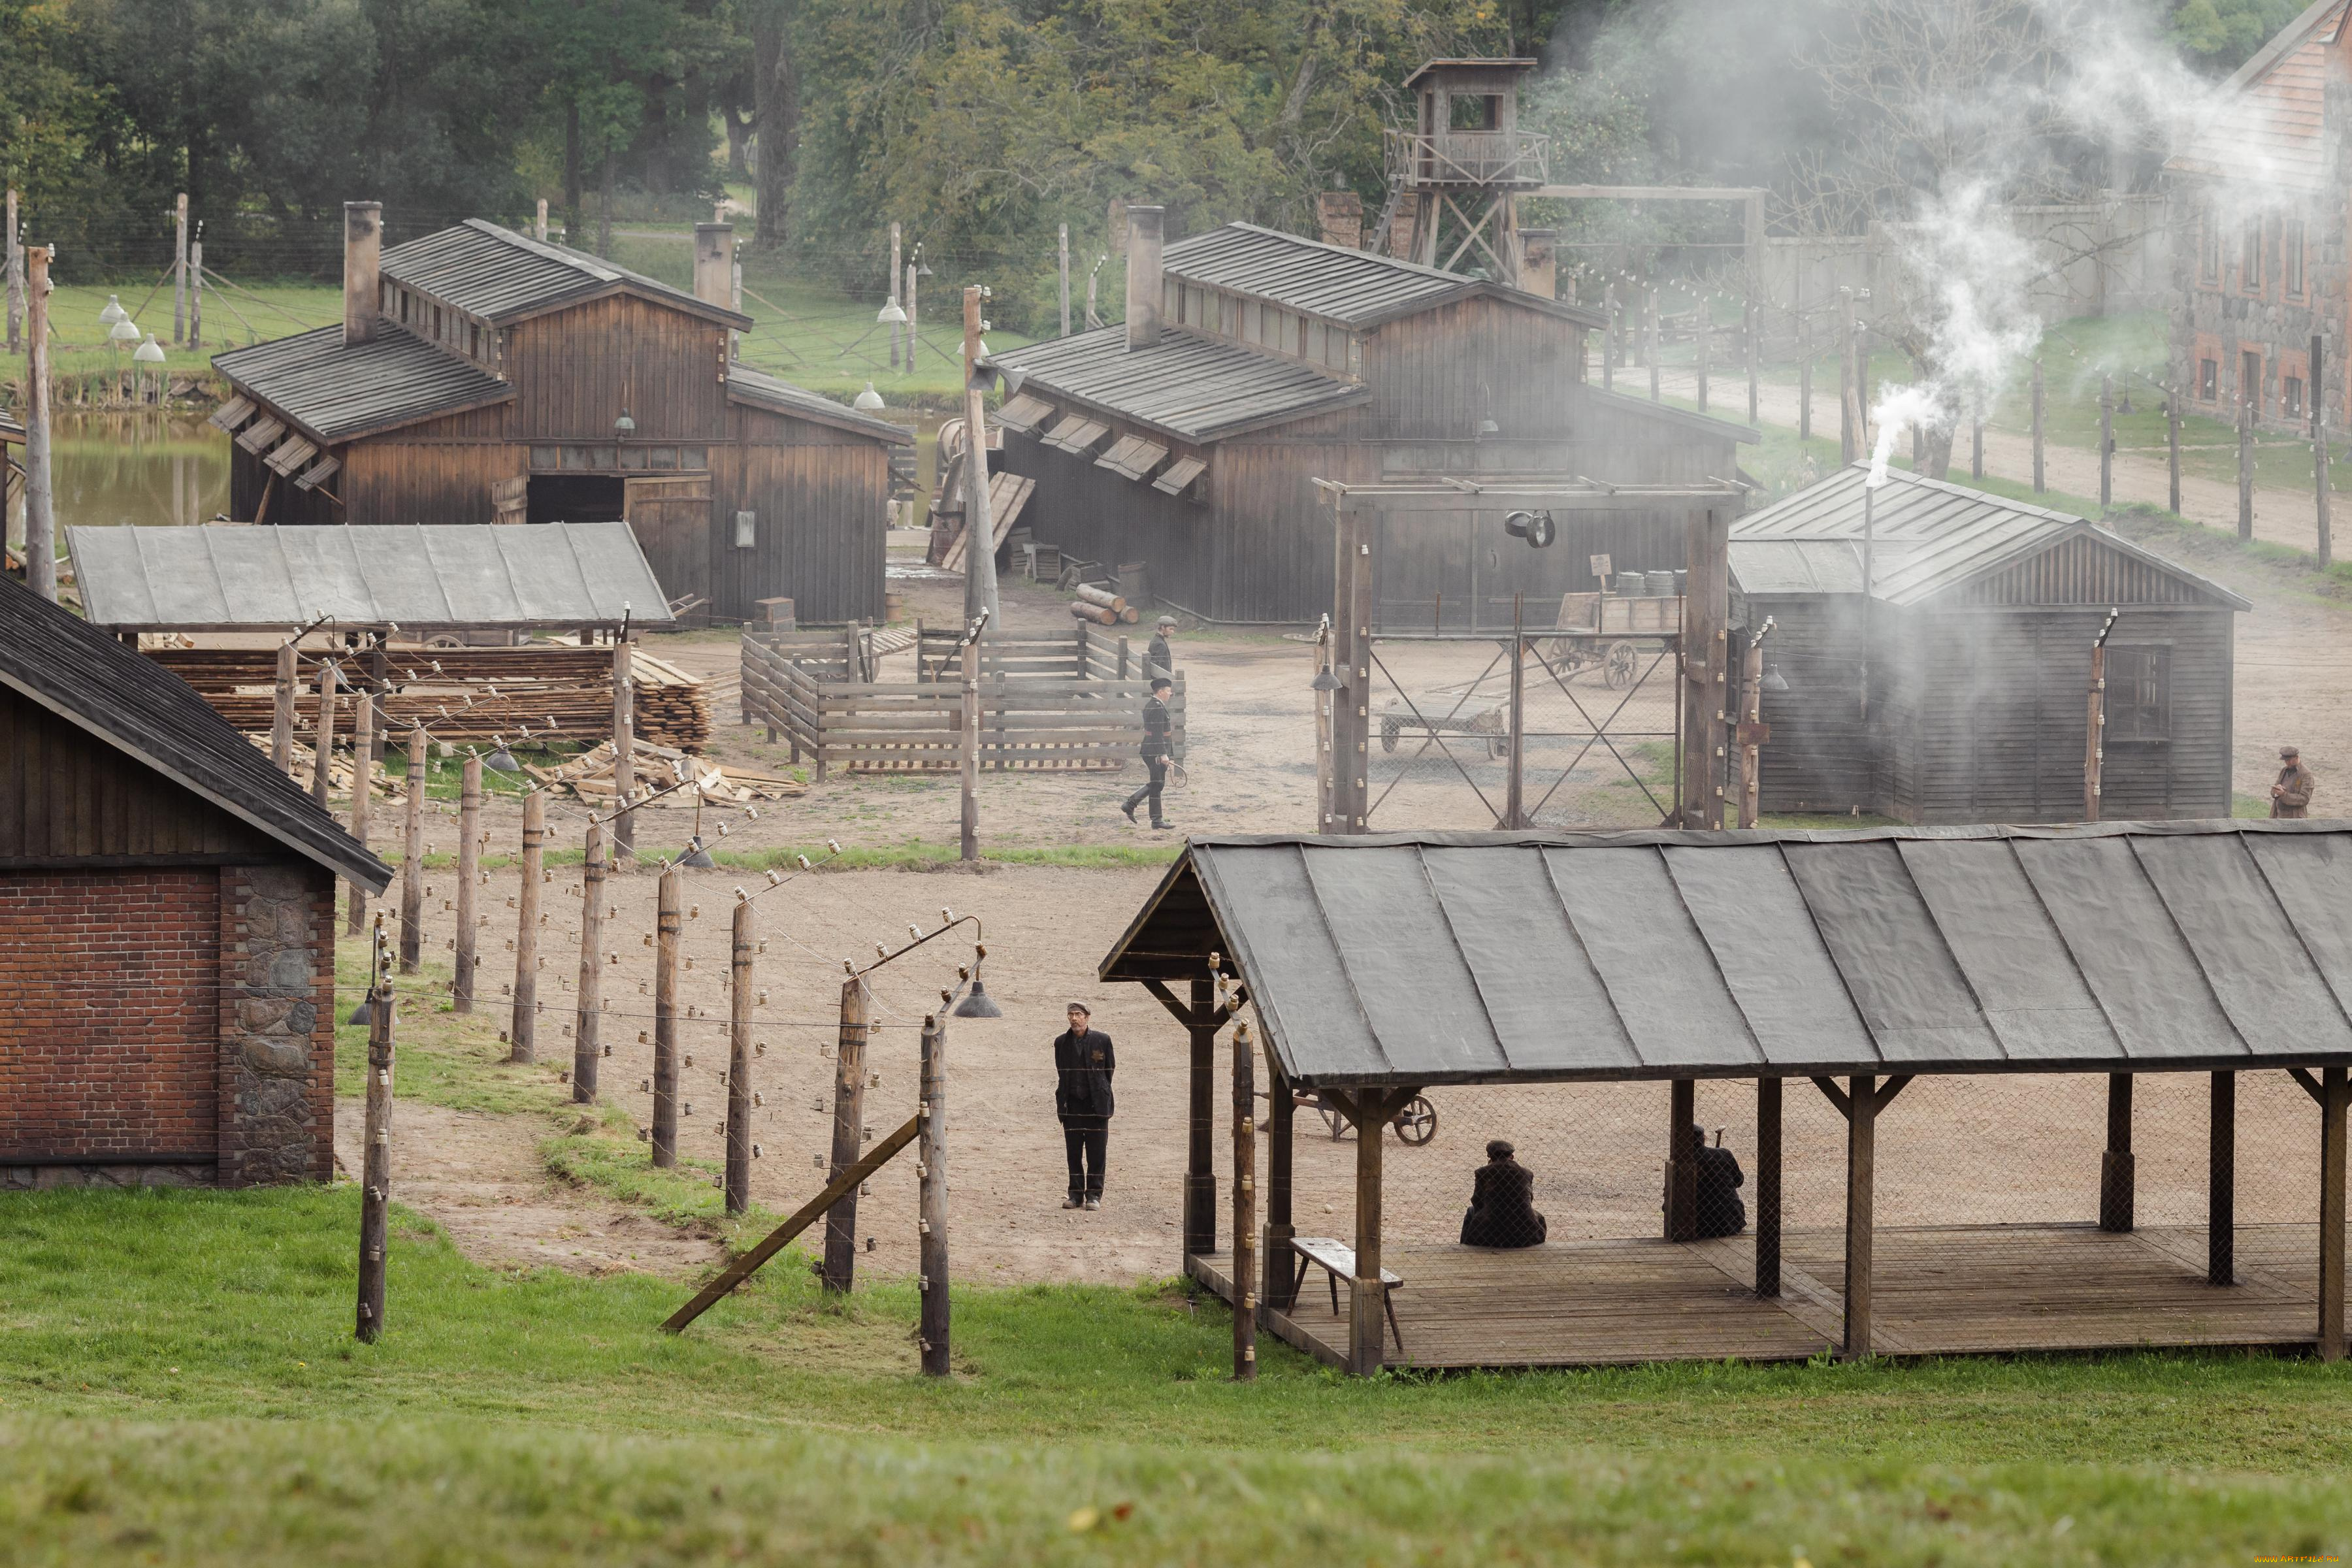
pixel 979 124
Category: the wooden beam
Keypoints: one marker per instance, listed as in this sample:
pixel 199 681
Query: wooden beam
pixel 1651 192
pixel 2115 1175
pixel 2331 1216
pixel 1768 1186
pixel 1893 1087
pixel 1200 1170
pixel 1837 1097
pixel 1179 1011
pixel 2221 1184
pixel 1861 1170
pixel 1281 1121
pixel 1245 1237
pixel 2310 1085
pixel 1682 1160
pixel 842 1185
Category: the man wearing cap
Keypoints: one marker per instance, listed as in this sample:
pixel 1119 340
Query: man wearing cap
pixel 1157 659
pixel 1155 751
pixel 1502 1212
pixel 2291 796
pixel 1082 1069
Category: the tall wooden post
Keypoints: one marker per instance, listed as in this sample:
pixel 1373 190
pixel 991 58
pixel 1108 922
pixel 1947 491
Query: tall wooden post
pixel 322 735
pixel 1515 760
pixel 584 1027
pixel 1326 705
pixel 1065 279
pixel 1649 337
pixel 2038 396
pixel 1849 437
pixel 934 1326
pixel 539 222
pixel 668 923
pixel 12 270
pixel 180 270
pixel 196 291
pixel 739 994
pixel 1751 727
pixel 523 1033
pixel 1768 1186
pixel 1682 1160
pixel 624 748
pixel 1860 1176
pixel 1281 1118
pixel 469 880
pixel 848 1134
pixel 1367 1322
pixel 913 342
pixel 2332 1099
pixel 412 853
pixel 2320 499
pixel 2106 441
pixel 1705 330
pixel 2222 1184
pixel 2172 445
pixel 1244 1270
pixel 1200 1169
pixel 1609 331
pixel 893 280
pixel 2094 728
pixel 375 1179
pixel 980 526
pixel 40 493
pixel 1750 322
pixel 1976 444
pixel 968 723
pixel 281 717
pixel 1706 694
pixel 362 792
pixel 1351 650
pixel 2116 1173
pixel 2245 469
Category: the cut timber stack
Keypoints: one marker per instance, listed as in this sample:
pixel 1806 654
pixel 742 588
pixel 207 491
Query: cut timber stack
pixel 1101 606
pixel 590 778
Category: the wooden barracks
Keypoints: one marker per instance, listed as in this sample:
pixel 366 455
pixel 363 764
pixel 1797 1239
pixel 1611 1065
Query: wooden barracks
pixel 483 376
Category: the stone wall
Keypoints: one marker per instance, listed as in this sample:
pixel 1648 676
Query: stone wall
pixel 277 1026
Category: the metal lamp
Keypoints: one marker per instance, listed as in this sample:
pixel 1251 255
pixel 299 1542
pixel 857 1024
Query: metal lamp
pixel 892 314
pixel 1325 682
pixel 149 353
pixel 624 425
pixel 977 1003
pixel 125 330
pixel 696 855
pixel 114 312
pixel 870 401
pixel 1773 680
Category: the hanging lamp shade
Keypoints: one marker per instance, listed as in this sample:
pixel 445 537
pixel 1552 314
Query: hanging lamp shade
pixel 149 353
pixel 892 314
pixel 125 330
pixel 624 425
pixel 870 401
pixel 114 312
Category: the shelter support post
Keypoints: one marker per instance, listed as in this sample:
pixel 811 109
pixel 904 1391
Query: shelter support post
pixel 1768 1186
pixel 1199 1172
pixel 1706 607
pixel 1280 1124
pixel 1861 1174
pixel 2115 1173
pixel 2332 1100
pixel 848 1134
pixel 669 924
pixel 1682 1160
pixel 1244 1274
pixel 1369 1110
pixel 2221 1184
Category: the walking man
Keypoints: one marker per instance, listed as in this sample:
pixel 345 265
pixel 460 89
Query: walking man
pixel 1156 658
pixel 1155 751
pixel 2291 796
pixel 1082 1068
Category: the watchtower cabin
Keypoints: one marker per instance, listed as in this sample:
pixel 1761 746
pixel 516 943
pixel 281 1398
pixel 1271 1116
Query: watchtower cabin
pixel 483 376
pixel 1929 659
pixel 1254 362
pixel 1454 179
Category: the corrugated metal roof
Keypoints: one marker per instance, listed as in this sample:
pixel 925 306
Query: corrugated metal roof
pixel 497 274
pixel 76 670
pixel 757 388
pixel 1927 536
pixel 1485 957
pixel 1194 388
pixel 2269 127
pixel 517 576
pixel 336 391
pixel 1353 288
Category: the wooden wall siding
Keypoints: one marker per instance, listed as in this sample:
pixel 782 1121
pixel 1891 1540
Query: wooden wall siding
pixel 822 497
pixel 2082 572
pixel 575 371
pixel 1437 374
pixel 66 794
pixel 247 477
pixel 392 480
pixel 1094 514
pixel 1821 757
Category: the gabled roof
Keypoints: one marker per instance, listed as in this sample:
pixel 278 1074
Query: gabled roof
pixel 1194 388
pixel 502 276
pixel 1434 958
pixel 1513 66
pixel 1928 537
pixel 335 391
pixel 61 662
pixel 1332 283
pixel 2269 125
pixel 213 578
pixel 761 390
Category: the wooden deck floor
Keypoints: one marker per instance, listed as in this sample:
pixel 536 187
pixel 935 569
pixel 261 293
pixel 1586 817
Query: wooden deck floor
pixel 1942 1290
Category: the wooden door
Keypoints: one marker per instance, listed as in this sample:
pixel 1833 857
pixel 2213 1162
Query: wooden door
pixel 671 517
pixel 510 499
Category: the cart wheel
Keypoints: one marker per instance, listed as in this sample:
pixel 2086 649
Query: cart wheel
pixel 1417 1123
pixel 1623 662
pixel 1332 1120
pixel 1390 729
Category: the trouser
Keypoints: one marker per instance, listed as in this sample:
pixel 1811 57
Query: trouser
pixel 1086 1143
pixel 1157 767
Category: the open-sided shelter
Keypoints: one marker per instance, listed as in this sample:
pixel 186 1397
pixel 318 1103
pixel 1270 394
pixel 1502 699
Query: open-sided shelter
pixel 1955 689
pixel 1254 363
pixel 167 928
pixel 480 375
pixel 1383 965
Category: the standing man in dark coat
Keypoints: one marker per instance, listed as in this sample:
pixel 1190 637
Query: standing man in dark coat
pixel 1082 1069
pixel 1155 751
pixel 2291 796
pixel 1156 658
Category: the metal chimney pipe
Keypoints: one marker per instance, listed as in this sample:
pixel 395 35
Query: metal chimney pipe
pixel 1144 235
pixel 362 255
pixel 714 264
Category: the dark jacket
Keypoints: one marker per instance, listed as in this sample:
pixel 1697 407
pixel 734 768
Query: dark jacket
pixel 1155 729
pixel 2292 793
pixel 1720 1211
pixel 1082 1069
pixel 1157 659
pixel 1502 1207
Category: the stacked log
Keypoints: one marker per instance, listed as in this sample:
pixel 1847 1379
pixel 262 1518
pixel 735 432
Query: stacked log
pixel 1101 606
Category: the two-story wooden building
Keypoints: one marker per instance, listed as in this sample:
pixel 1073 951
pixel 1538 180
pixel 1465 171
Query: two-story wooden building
pixel 480 375
pixel 1254 362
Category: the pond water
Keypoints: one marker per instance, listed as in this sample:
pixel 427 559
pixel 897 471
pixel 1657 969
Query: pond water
pixel 136 467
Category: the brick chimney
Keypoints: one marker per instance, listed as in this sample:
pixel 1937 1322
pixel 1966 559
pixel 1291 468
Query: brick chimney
pixel 714 264
pixel 363 252
pixel 1143 241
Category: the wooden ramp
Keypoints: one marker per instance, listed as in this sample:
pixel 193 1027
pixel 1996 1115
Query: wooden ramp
pixel 1940 1291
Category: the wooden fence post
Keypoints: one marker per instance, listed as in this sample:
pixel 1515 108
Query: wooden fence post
pixel 2332 1098
pixel 1751 323
pixel 668 923
pixel 1650 332
pixel 363 794
pixel 584 1027
pixel 322 736
pixel 625 756
pixel 969 720
pixel 738 1060
pixel 1516 722
pixel 848 1134
pixel 376 1189
pixel 524 1032
pixel 1275 1255
pixel 932 1197
pixel 2245 469
pixel 470 878
pixel 1609 337
pixel 1244 1270
pixel 1705 330
pixel 281 718
pixel 2038 398
pixel 412 863
pixel 2106 441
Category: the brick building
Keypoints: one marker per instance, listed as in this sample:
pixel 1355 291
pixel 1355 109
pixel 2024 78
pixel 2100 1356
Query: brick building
pixel 2261 222
pixel 167 928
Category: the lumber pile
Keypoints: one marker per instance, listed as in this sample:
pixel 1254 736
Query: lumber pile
pixel 1102 606
pixel 671 707
pixel 588 776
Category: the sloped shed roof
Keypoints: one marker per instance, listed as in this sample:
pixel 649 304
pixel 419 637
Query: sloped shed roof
pixel 335 391
pixel 501 276
pixel 1332 282
pixel 1394 959
pixel 1193 388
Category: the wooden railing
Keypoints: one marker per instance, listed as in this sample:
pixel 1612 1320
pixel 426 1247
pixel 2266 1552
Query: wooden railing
pixel 1469 158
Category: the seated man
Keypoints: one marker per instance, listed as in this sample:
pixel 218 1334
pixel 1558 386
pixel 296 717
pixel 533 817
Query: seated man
pixel 1720 1211
pixel 1502 1206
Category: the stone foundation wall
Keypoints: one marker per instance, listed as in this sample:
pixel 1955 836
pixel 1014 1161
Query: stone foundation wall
pixel 276 1025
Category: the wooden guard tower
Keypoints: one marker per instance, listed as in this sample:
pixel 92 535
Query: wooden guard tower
pixel 1454 179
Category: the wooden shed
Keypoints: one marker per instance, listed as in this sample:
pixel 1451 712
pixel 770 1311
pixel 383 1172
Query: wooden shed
pixel 1955 690
pixel 167 928
pixel 484 376
pixel 1190 438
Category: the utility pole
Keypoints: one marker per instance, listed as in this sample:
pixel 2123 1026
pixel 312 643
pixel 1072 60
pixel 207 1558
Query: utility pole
pixel 1609 337
pixel 895 265
pixel 40 503
pixel 362 792
pixel 412 856
pixel 2106 441
pixel 967 723
pixel 2172 441
pixel 469 879
pixel 980 529
pixel 2038 485
pixel 669 924
pixel 180 270
pixel 539 223
pixel 1065 279
pixel 196 287
pixel 933 1326
pixel 913 340
pixel 1847 443
pixel 2245 467
pixel 738 1174
pixel 591 968
pixel 12 259
pixel 375 1190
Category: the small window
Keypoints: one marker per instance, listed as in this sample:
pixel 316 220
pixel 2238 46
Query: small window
pixel 2249 379
pixel 547 456
pixel 2250 257
pixel 694 460
pixel 1253 322
pixel 2139 693
pixel 2209 379
pixel 2209 248
pixel 1229 316
pixel 1315 340
pixel 576 460
pixel 2291 396
pixel 2291 254
pixel 747 530
pixel 665 457
pixel 404 307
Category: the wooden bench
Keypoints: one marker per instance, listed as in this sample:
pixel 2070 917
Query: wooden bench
pixel 1338 1262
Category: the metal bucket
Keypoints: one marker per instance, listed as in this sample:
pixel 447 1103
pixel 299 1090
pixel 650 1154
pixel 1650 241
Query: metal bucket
pixel 1658 584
